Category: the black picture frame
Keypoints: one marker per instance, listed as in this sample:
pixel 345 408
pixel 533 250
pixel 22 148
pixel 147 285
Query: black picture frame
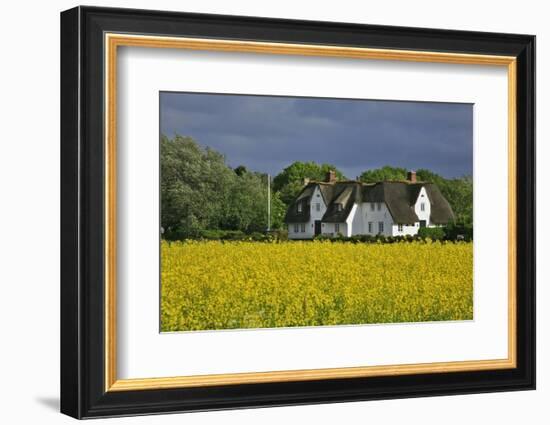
pixel 82 212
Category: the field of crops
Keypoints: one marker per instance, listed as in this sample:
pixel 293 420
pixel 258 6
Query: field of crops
pixel 228 285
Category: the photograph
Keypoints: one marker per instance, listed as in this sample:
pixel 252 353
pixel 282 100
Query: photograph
pixel 286 211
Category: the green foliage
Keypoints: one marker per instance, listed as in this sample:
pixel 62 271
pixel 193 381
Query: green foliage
pixel 434 233
pixel 192 178
pixel 237 235
pixel 202 197
pixel 451 233
pixel 199 193
pixel 279 234
pixel 290 181
pixel 383 174
pixel 240 170
pixel 459 231
pixel 217 234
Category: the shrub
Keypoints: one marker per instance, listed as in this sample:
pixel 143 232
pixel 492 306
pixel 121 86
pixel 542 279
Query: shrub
pixel 459 231
pixel 434 233
pixel 216 234
pixel 279 235
pixel 237 235
pixel 367 238
pixel 212 234
pixel 257 236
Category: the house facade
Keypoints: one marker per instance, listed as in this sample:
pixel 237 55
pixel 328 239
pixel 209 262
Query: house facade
pixel 348 208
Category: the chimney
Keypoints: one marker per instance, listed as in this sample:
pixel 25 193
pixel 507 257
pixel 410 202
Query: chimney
pixel 411 176
pixel 306 181
pixel 330 176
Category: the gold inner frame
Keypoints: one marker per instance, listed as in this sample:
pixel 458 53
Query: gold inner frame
pixel 113 41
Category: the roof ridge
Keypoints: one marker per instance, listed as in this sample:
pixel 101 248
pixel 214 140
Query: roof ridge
pixel 366 183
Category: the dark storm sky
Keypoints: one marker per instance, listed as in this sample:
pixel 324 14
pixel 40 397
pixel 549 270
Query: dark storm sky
pixel 267 133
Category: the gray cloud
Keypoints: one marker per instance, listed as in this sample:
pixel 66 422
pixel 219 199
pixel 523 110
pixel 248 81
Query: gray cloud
pixel 267 133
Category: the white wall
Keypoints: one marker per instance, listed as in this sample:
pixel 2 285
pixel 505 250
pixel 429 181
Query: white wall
pixel 423 199
pixel 356 224
pixel 317 198
pixel 383 215
pixel 406 230
pixel 29 317
pixel 330 229
pixel 308 232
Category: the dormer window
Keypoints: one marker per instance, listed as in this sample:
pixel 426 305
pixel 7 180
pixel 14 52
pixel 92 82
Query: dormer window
pixel 339 207
pixel 299 207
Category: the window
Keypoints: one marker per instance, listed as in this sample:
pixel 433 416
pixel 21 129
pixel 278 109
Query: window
pixel 318 206
pixel 379 206
pixel 370 226
pixel 422 206
pixel 338 207
pixel 380 227
pixel 399 227
pixel 336 227
pixel 299 207
pixel 303 227
pixel 372 206
pixel 295 228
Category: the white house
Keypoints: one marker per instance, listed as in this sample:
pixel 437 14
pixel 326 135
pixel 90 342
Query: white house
pixel 389 208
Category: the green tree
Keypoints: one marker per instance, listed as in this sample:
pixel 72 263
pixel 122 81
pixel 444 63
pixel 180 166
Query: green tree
pixel 240 170
pixel 195 185
pixel 278 211
pixel 290 181
pixel 247 209
pixel 383 174
pixel 200 192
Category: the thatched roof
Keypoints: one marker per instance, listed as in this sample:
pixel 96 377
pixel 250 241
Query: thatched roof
pixel 399 196
pixel 441 211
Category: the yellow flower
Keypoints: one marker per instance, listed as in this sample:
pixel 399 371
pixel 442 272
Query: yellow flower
pixel 225 285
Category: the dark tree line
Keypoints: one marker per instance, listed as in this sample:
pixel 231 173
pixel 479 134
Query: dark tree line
pixel 201 194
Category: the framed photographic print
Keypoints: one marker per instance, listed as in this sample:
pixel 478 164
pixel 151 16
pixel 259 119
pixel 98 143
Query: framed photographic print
pixel 261 212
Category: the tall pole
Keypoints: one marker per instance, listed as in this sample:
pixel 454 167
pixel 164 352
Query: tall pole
pixel 268 203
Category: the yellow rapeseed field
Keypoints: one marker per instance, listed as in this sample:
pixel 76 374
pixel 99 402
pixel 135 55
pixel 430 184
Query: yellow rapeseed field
pixel 227 285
